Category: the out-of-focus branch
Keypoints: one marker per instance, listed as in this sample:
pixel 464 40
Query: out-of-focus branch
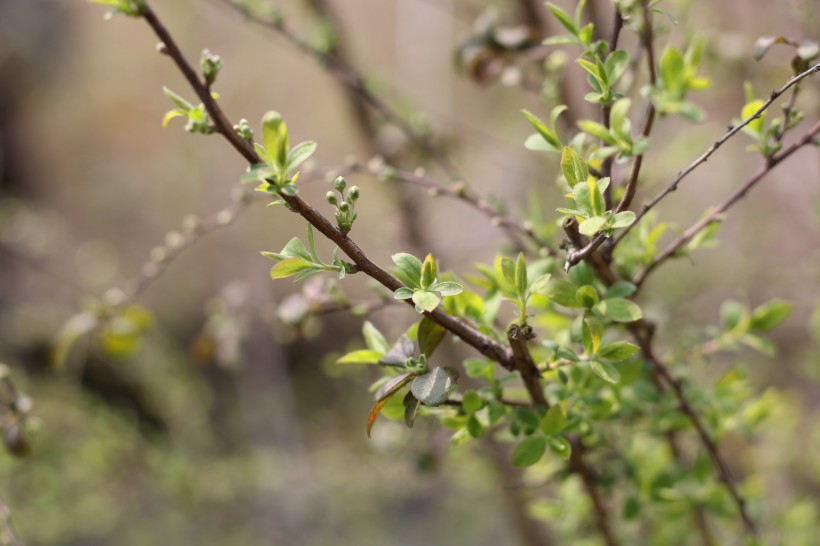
pixel 348 75
pixel 718 211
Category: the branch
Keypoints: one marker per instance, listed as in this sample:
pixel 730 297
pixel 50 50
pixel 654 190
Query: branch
pixel 722 468
pixel 738 194
pixel 469 335
pixel 733 130
pixel 574 258
pixel 460 192
pixel 347 74
pixel 523 362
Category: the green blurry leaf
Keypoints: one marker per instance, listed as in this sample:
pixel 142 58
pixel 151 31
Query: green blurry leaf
pixel 591 226
pixel 411 409
pixel 618 351
pixel 554 421
pixel 593 331
pixel 671 69
pixel 562 18
pixel 623 219
pixel 520 275
pixel 771 314
pixel 560 446
pixel 434 387
pixel 734 316
pixel 573 167
pixel 364 356
pixel 605 371
pixel 428 272
pixel 529 451
pixel 373 338
pixel 546 133
pixel 472 402
pixel 299 154
pixel 621 289
pixel 540 285
pixel 620 310
pixel 616 64
pixel 586 296
pixel 562 292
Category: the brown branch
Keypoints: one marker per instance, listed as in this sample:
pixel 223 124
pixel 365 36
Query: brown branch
pixel 738 194
pixel 468 334
pixel 518 336
pixel 348 75
pixel 733 130
pixel 606 167
pixel 722 468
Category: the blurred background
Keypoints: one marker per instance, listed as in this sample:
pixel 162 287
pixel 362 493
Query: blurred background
pixel 216 414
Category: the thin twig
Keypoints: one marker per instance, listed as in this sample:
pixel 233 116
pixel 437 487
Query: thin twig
pixel 716 213
pixel 733 130
pixel 606 167
pixel 348 75
pixel 458 191
pixel 468 334
pixel 579 255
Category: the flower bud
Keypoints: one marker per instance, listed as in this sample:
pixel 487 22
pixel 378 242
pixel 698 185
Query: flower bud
pixel 331 198
pixel 353 194
pixel 340 184
pixel 344 206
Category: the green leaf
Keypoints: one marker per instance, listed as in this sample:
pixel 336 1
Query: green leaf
pixel 290 266
pixel 540 285
pixel 373 338
pixel 180 103
pixel 428 272
pixel 734 316
pixel 546 133
pixel 591 226
pixel 623 219
pixel 771 314
pixel 430 335
pixel 593 331
pixel 618 120
pixel 586 296
pixel 471 402
pixel 410 266
pixel 364 356
pixel 562 292
pixel 403 293
pixel 425 301
pixel 756 125
pixel 573 167
pixel 605 371
pixel 296 249
pixel 765 346
pixel 616 64
pixel 520 275
pixel 474 427
pixel 399 352
pixel 447 288
pixel 529 451
pixel 620 310
pixel 672 69
pixel 554 421
pixel 560 446
pixel 299 155
pixel 275 137
pixel 563 18
pixel 597 130
pixel 618 351
pixel 434 387
pixel 621 289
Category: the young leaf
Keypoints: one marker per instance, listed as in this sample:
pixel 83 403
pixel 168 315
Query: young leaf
pixel 471 402
pixel 563 18
pixel 388 390
pixel 554 421
pixel 529 451
pixel 618 351
pixel 411 409
pixel 425 300
pixel 374 339
pixel 546 133
pixel 290 266
pixel 447 288
pixel 560 446
pixel 591 226
pixel 364 356
pixel 605 371
pixel 621 289
pixel 623 219
pixel 299 155
pixel 620 310
pixel 428 272
pixel 771 314
pixel 573 167
pixel 520 275
pixel 410 266
pixel 403 293
pixel 593 331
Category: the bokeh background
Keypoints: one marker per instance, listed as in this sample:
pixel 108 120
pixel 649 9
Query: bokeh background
pixel 226 425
